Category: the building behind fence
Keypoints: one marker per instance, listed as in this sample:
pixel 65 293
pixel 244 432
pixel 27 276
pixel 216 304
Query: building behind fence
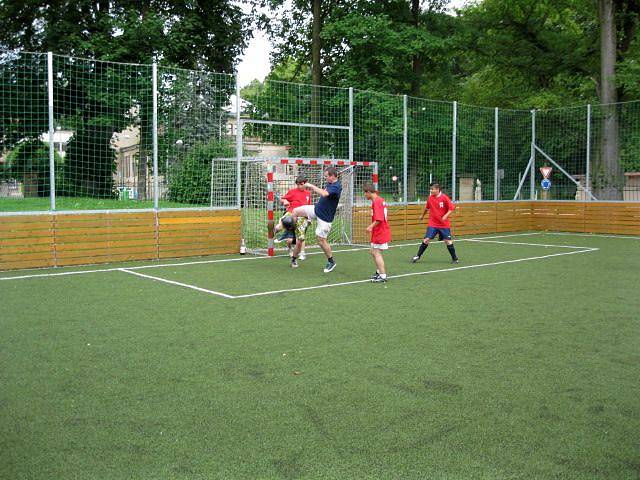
pixel 78 134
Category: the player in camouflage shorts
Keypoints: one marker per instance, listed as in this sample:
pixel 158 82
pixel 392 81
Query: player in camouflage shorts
pixel 295 197
pixel 297 234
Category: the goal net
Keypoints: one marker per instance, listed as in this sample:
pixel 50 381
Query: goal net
pixel 267 180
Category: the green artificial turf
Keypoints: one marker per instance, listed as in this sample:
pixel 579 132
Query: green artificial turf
pixel 525 370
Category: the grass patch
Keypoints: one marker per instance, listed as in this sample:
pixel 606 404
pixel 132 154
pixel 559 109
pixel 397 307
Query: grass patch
pixel 82 203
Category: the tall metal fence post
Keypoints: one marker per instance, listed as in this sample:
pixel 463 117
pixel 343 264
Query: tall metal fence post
pixel 405 150
pixel 154 137
pixel 351 124
pixel 238 146
pixel 495 156
pixel 52 163
pixel 454 151
pixel 532 180
pixel 588 166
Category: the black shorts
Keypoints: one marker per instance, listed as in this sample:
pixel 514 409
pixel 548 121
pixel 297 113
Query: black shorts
pixel 443 233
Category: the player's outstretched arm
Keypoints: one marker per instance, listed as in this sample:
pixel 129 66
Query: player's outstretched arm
pixel 320 191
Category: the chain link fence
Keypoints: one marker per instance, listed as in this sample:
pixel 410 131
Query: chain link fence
pixel 81 134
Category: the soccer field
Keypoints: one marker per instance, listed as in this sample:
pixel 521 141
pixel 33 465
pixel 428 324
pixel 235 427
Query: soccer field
pixel 520 362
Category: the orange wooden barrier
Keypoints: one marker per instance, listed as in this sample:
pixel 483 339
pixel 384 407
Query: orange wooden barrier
pixel 47 240
pixel 30 241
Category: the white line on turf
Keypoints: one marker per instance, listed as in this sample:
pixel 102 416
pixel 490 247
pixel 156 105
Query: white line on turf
pixel 60 274
pixel 530 244
pixel 628 237
pixel 444 270
pixel 235 259
pixel 213 292
pixel 180 284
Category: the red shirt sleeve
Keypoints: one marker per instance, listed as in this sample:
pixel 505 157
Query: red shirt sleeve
pixel 450 205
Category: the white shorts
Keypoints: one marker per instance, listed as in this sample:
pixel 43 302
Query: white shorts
pixel 380 246
pixel 322 228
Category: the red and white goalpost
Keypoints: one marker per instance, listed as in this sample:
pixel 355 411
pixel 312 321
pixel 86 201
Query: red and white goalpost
pixel 278 176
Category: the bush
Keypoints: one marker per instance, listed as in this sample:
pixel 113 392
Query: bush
pixel 190 179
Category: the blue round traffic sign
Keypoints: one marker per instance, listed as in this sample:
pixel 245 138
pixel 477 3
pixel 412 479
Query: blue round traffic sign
pixel 545 184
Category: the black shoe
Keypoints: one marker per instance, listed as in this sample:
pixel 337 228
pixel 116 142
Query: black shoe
pixel 455 261
pixel 415 259
pixel 294 263
pixel 375 276
pixel 329 267
pixel 379 279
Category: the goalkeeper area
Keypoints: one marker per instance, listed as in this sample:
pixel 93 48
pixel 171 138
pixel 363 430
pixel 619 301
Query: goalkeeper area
pixel 267 181
pixel 519 362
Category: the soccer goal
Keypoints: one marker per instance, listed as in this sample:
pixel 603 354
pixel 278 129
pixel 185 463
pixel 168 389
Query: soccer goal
pixel 267 180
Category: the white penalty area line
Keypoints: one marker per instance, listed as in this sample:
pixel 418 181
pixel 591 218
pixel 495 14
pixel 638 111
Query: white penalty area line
pixel 179 284
pixel 627 237
pixel 356 282
pixel 414 274
pixel 528 244
pixel 234 259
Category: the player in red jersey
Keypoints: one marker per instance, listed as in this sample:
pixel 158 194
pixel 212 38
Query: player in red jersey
pixel 440 208
pixel 380 231
pixel 297 196
pixel 294 198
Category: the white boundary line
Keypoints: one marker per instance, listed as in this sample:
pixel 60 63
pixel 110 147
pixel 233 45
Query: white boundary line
pixel 235 259
pixel 171 282
pixel 628 237
pixel 315 287
pixel 273 292
pixel 531 244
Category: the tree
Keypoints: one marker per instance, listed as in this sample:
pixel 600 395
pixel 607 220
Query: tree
pixel 29 163
pixel 20 78
pixel 544 54
pixel 618 25
pixel 298 35
pixel 528 53
pixel 393 46
pixel 197 34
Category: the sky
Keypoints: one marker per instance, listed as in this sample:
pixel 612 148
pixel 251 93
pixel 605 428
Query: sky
pixel 255 62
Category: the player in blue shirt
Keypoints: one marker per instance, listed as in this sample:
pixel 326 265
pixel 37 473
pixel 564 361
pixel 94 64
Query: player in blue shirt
pixel 323 212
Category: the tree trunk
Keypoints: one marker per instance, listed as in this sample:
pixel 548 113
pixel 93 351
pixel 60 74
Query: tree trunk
pixel 416 67
pixel 608 172
pixel 316 76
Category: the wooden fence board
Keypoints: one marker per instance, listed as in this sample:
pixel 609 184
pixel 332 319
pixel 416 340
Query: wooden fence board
pixel 28 241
